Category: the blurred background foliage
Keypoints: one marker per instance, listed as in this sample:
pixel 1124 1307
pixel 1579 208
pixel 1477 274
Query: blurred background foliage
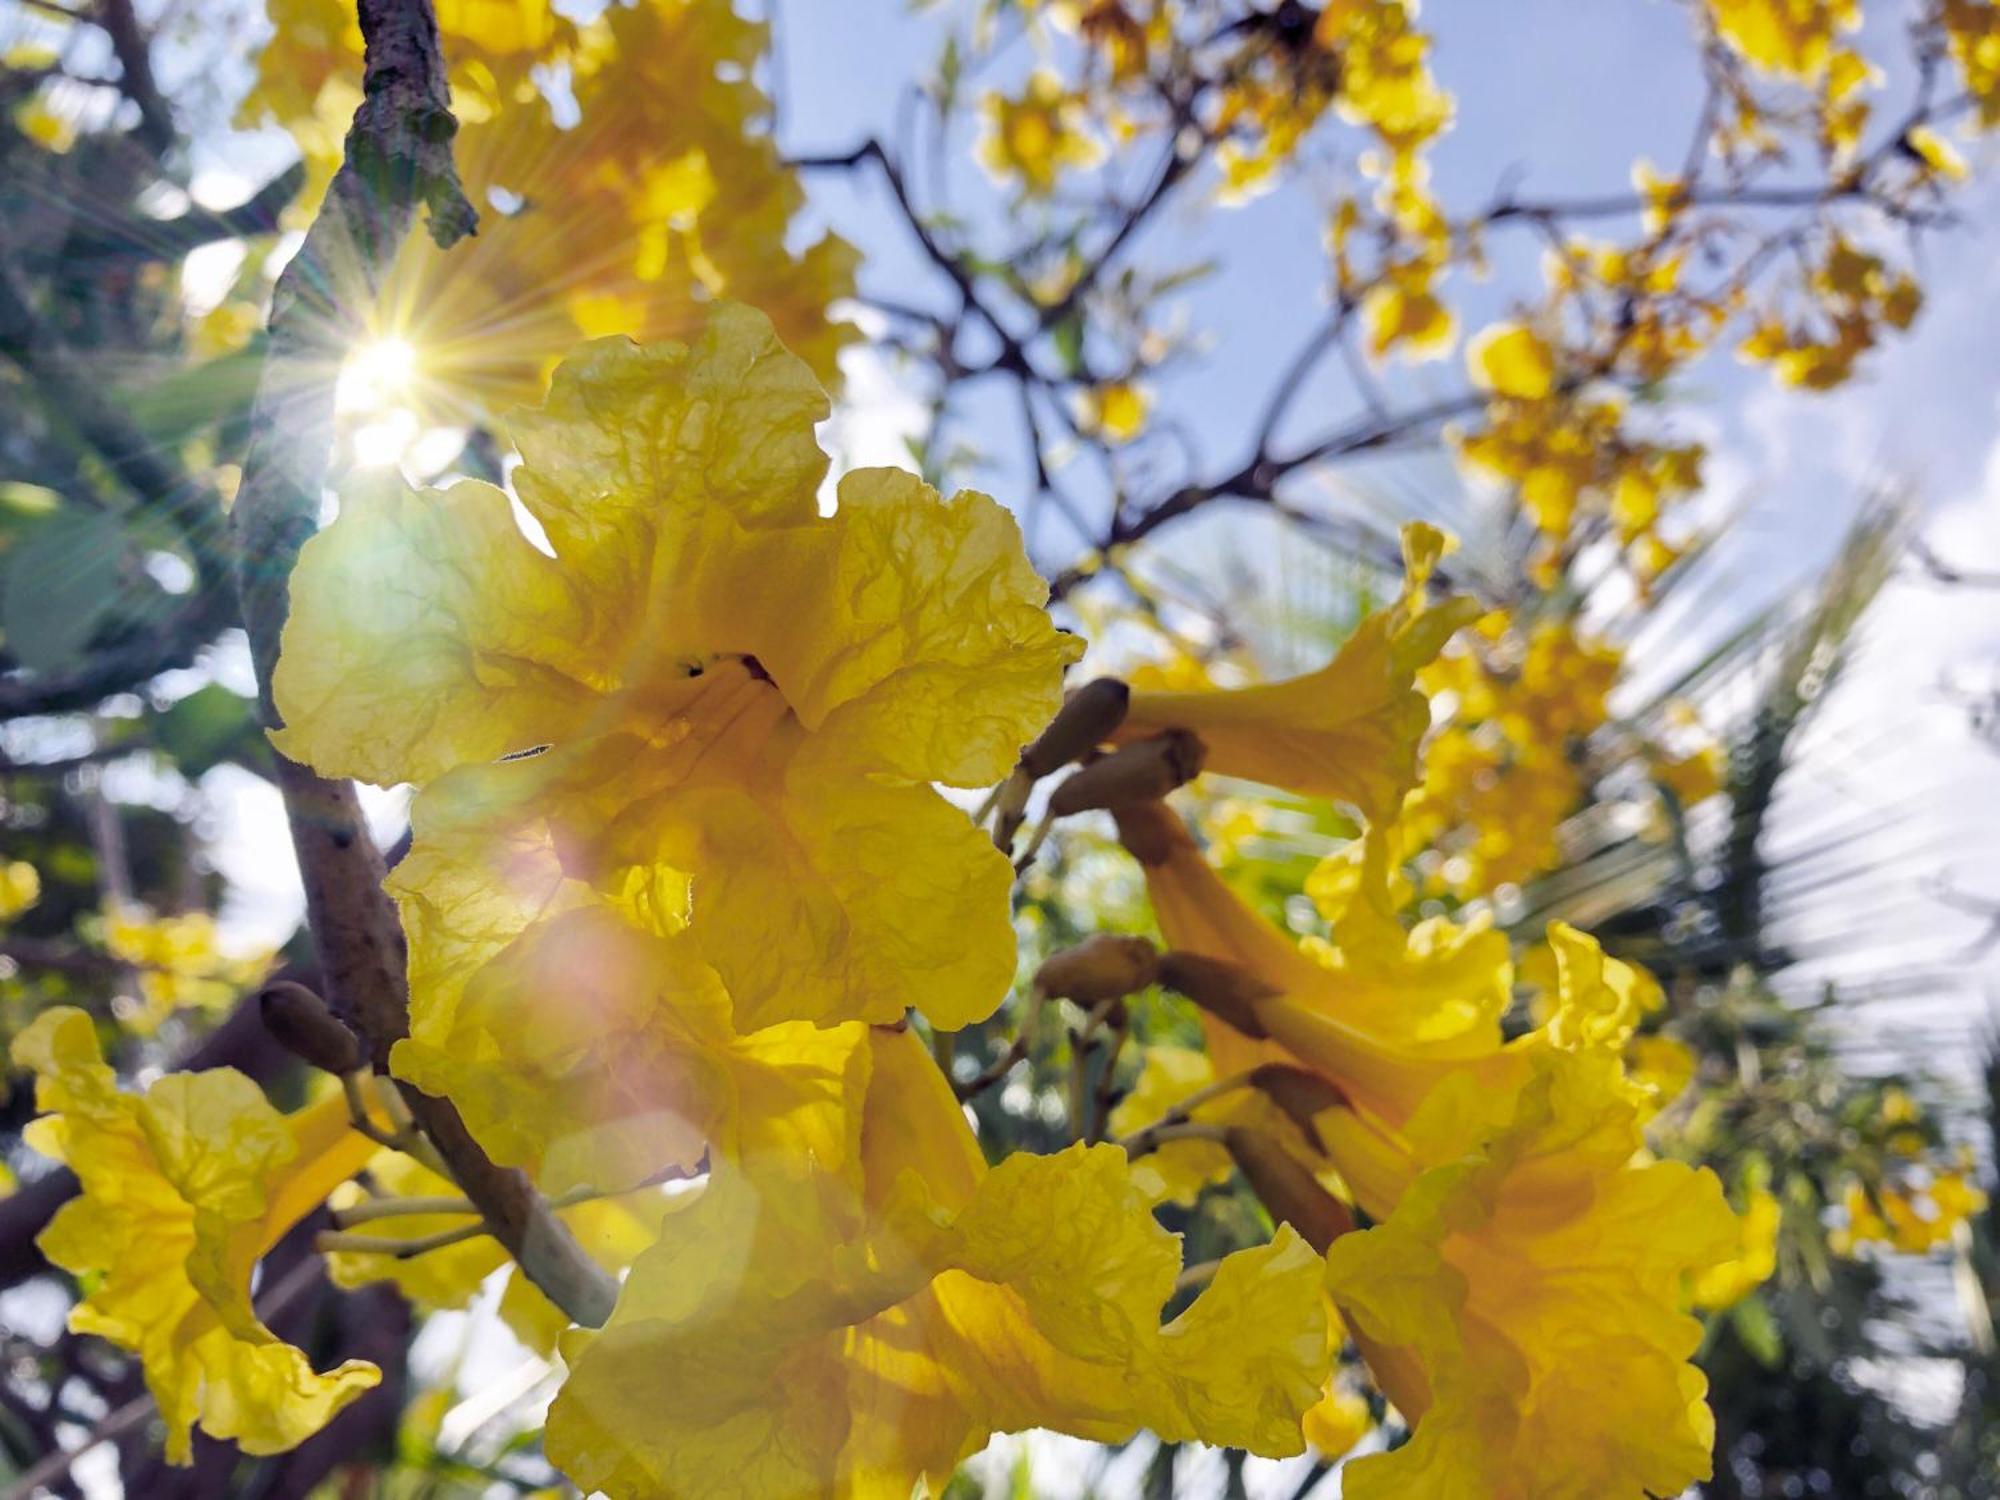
pixel 1612 745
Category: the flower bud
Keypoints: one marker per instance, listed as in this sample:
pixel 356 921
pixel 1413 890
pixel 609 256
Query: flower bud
pixel 1143 772
pixel 1149 832
pixel 1089 716
pixel 1225 990
pixel 304 1026
pixel 1290 1191
pixel 1301 1094
pixel 1104 966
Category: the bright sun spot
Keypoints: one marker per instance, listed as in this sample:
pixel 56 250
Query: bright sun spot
pixel 373 394
pixel 376 376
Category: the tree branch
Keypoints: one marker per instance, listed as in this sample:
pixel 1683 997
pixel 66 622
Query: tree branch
pixel 170 239
pixel 135 61
pixel 398 156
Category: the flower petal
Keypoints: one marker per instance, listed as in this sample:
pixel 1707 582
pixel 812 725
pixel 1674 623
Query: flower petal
pixel 1536 1287
pixel 781 1342
pixel 183 1189
pixel 922 644
pixel 427 632
pixel 636 447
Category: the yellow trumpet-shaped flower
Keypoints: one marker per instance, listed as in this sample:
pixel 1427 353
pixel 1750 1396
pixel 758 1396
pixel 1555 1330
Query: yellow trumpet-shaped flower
pixel 598 1053
pixel 178 961
pixel 1511 359
pixel 1380 1011
pixel 1792 38
pixel 731 688
pixel 1597 1000
pixel 575 1039
pixel 663 192
pixel 793 1338
pixel 1403 1023
pixel 1522 1307
pixel 184 1189
pixel 1348 731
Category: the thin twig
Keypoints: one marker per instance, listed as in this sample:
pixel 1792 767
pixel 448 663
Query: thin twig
pixel 334 1241
pixel 399 1208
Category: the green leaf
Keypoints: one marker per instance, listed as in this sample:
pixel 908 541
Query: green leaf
pixel 19 499
pixel 1754 1325
pixel 950 72
pixel 58 585
pixel 1068 339
pixel 208 726
pixel 189 400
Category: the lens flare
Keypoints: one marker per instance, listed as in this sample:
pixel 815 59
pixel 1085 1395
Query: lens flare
pixel 376 376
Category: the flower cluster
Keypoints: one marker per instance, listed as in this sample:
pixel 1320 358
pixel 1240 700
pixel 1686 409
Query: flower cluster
pixel 682 898
pixel 1522 709
pixel 678 878
pixel 177 962
pixel 666 175
pixel 1366 1078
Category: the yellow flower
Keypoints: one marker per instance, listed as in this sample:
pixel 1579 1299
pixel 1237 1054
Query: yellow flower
pixel 852 1339
pixel 1522 1307
pixel 1855 294
pixel 1905 1217
pixel 1111 30
pixel 1385 78
pixel 744 703
pixel 1339 1421
pixel 1728 1282
pixel 184 1189
pixel 1598 1001
pixel 1569 453
pixel 1403 312
pixel 20 888
pixel 578 1044
pixel 1117 411
pixel 1937 154
pixel 1972 34
pixel 1510 359
pixel 1502 773
pixel 1789 37
pixel 1664 196
pixel 1585 999
pixel 1385 1015
pixel 1038 136
pixel 1348 731
pixel 669 175
pixel 178 961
